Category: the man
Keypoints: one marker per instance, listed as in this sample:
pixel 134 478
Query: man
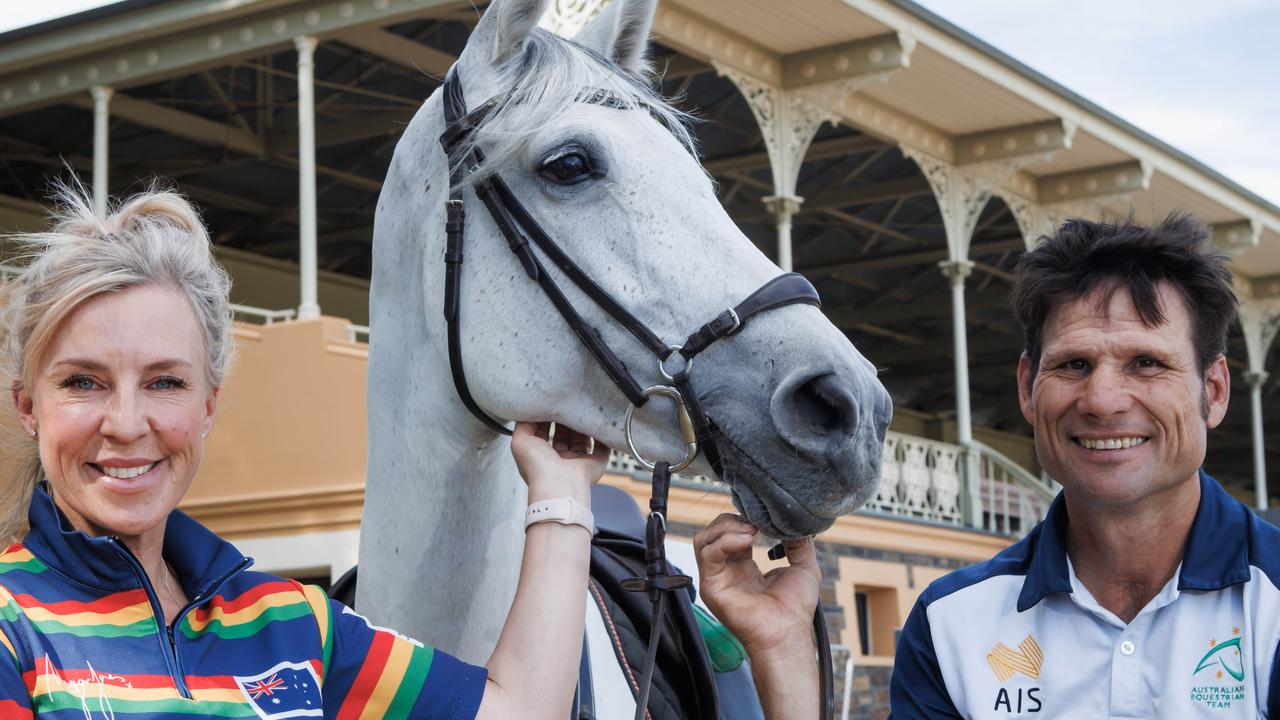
pixel 1147 592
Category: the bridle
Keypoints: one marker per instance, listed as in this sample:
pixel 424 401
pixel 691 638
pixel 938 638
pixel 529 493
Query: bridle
pixel 522 232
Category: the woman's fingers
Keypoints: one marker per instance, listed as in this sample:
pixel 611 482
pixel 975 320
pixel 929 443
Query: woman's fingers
pixel 578 442
pixel 542 429
pixel 523 434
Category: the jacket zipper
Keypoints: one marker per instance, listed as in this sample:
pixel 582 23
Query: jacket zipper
pixel 172 659
pixel 194 603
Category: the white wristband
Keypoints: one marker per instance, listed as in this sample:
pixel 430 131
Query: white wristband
pixel 565 511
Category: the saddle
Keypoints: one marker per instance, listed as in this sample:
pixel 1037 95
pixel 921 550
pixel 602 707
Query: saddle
pixel 701 672
pixel 691 681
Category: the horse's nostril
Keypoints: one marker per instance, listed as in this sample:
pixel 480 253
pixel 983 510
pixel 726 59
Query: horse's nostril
pixel 824 406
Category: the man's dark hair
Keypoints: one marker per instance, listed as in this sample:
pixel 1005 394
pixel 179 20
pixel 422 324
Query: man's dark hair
pixel 1082 257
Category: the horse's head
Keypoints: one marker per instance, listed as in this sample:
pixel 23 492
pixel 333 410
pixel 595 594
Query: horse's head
pixel 616 184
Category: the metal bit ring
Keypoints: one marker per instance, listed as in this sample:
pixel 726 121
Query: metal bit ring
pixel 686 429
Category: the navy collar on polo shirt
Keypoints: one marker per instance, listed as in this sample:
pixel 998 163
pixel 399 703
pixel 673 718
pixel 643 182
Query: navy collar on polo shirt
pixel 201 559
pixel 1216 554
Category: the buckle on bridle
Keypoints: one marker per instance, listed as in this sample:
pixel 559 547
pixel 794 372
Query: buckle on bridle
pixel 737 322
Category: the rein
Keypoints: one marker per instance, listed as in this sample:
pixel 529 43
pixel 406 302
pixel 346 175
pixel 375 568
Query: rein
pixel 522 232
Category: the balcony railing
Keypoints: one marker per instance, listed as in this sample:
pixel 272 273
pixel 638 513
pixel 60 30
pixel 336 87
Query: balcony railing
pixel 925 480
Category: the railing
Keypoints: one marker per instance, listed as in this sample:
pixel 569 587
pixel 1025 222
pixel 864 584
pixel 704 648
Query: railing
pixel 268 317
pixel 1013 500
pixel 354 332
pixel 921 479
pixel 846 697
pixel 924 480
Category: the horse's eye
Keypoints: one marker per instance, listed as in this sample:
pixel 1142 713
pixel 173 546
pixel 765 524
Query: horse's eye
pixel 567 168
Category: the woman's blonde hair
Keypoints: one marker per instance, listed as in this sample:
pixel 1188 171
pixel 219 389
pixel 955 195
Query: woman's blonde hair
pixel 153 238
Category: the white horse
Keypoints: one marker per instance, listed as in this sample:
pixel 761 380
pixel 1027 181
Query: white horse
pixel 801 412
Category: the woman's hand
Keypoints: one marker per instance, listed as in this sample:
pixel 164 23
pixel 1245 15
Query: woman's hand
pixel 534 666
pixel 566 467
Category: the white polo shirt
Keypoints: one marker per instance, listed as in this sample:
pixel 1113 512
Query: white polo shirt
pixel 1019 636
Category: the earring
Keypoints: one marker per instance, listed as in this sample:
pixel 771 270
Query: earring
pixel 35 434
pixel 204 435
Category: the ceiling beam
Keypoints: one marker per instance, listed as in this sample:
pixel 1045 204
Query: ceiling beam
pixel 921 257
pixel 202 130
pixel 818 150
pixel 840 197
pixel 868 194
pixel 400 50
pixel 679 67
pixel 868 56
pixel 871 225
pixel 901 337
pixel 690 34
pixel 1013 141
pixel 198 45
pixel 179 123
pixel 934 306
pixel 1094 182
pixel 21 215
pixel 366 125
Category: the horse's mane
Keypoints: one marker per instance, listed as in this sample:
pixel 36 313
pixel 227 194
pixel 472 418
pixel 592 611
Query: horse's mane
pixel 546 79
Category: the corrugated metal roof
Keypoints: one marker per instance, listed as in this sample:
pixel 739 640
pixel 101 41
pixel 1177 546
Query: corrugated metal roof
pixel 1071 96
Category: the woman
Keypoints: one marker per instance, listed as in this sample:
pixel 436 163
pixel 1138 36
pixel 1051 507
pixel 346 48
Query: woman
pixel 115 604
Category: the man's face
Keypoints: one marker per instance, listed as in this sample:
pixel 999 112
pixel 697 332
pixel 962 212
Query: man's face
pixel 1120 410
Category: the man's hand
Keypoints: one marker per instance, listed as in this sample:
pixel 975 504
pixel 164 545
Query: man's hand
pixel 566 467
pixel 771 612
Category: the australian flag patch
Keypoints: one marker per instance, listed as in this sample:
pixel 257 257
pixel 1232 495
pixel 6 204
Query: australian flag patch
pixel 288 690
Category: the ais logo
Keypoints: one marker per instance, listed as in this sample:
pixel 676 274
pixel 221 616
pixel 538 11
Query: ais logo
pixel 1026 660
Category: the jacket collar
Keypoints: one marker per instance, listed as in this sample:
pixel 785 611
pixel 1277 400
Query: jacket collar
pixel 1216 554
pixel 201 559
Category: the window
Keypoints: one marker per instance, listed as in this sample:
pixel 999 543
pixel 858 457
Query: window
pixel 877 613
pixel 864 623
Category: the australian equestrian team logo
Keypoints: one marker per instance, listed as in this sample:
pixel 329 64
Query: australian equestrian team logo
pixel 1027 660
pixel 1224 662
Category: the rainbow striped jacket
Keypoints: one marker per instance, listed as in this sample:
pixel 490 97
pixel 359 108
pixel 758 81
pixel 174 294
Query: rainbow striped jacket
pixel 81 638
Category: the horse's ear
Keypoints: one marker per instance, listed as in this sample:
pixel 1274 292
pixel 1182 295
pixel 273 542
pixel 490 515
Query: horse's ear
pixel 502 30
pixel 621 33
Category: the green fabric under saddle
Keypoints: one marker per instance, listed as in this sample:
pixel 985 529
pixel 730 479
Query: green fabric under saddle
pixel 726 652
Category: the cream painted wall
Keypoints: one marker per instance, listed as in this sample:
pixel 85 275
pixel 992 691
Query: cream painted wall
pixel 288 450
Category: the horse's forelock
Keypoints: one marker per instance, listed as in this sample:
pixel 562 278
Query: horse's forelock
pixel 542 83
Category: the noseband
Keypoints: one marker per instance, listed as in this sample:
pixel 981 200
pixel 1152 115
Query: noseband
pixel 522 232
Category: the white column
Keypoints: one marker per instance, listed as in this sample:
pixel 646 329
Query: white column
pixel 1256 380
pixel 783 209
pixel 101 118
pixel 956 271
pixel 309 307
pixel 1260 323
